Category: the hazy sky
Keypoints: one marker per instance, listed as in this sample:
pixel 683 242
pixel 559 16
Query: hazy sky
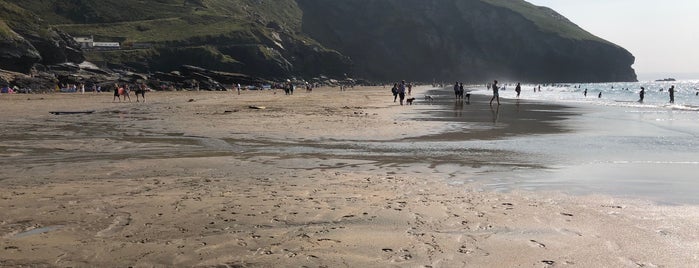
pixel 663 35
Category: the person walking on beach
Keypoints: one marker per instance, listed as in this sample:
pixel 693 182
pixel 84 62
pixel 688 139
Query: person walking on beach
pixel 641 94
pixel 116 93
pixel 461 91
pixel 410 89
pixel 672 93
pixel 456 90
pixel 401 91
pixel 518 89
pixel 496 93
pixel 126 92
pixel 394 90
pixel 141 90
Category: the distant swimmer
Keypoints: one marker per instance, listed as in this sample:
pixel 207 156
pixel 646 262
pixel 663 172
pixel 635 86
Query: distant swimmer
pixel 600 95
pixel 585 93
pixel 518 89
pixel 641 94
pixel 672 94
pixel 496 94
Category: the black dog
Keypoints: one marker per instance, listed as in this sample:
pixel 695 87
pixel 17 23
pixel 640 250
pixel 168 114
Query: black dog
pixel 410 100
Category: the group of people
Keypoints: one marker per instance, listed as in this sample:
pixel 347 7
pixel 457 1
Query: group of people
pixel 459 90
pixel 671 91
pixel 124 90
pixel 400 89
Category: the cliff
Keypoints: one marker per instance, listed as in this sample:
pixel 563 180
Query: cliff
pixel 382 40
pixel 26 40
pixel 463 39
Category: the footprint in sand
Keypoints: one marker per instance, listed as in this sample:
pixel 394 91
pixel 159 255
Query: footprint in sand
pixel 117 225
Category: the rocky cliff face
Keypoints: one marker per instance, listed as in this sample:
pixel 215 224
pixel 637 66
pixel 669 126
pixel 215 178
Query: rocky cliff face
pixel 382 40
pixel 468 40
pixel 26 40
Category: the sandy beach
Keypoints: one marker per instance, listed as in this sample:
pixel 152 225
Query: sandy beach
pixel 201 179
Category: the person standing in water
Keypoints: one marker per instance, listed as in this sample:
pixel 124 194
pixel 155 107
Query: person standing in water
pixel 599 96
pixel 496 93
pixel 585 93
pixel 672 94
pixel 518 89
pixel 456 90
pixel 641 94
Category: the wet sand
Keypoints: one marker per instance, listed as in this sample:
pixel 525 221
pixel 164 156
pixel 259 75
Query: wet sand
pixel 198 179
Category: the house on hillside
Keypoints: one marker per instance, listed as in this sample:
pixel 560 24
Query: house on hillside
pixel 89 43
pixel 85 42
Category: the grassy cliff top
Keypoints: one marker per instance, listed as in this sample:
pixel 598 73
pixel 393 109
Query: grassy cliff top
pixel 20 20
pixel 546 19
pixel 166 21
pixel 180 20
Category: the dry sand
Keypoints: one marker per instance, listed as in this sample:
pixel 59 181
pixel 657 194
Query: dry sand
pixel 194 179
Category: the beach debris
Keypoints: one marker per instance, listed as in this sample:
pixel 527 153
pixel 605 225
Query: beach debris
pixel 537 243
pixel 71 112
pixel 548 262
pixel 190 100
pixel 39 230
pixel 257 107
pixel 566 214
pixel 387 250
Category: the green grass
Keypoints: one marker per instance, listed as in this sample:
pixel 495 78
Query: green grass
pixel 160 30
pixel 19 19
pixel 546 19
pixel 5 32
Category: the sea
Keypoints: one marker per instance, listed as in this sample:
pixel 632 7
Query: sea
pixel 612 144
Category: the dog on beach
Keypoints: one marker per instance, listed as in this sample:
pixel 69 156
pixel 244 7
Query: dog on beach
pixel 429 99
pixel 410 100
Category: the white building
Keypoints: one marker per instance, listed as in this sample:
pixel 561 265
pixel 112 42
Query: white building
pixel 106 45
pixel 85 42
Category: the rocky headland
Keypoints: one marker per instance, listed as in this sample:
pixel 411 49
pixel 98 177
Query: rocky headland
pixel 215 43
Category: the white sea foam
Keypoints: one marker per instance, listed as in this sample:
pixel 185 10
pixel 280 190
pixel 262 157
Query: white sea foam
pixel 613 94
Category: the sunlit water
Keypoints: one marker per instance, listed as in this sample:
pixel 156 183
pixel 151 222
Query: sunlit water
pixel 613 94
pixel 617 145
